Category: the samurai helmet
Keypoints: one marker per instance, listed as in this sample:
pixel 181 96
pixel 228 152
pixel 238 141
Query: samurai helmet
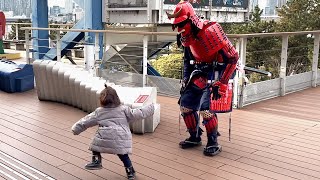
pixel 182 12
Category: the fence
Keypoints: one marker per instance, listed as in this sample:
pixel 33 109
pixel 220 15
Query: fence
pixel 117 64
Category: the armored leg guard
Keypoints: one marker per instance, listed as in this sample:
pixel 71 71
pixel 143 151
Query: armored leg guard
pixel 210 121
pixel 96 162
pixel 191 120
pixel 192 141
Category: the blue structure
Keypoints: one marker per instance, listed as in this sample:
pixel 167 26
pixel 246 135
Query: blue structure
pixel 68 41
pixel 91 20
pixel 40 19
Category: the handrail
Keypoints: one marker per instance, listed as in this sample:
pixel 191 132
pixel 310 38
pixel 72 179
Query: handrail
pixel 104 31
pixel 272 34
pixel 49 24
pixel 240 97
pixel 175 33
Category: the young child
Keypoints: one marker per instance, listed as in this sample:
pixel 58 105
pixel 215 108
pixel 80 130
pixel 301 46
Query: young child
pixel 113 135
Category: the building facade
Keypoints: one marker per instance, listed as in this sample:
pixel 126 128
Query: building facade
pixel 19 7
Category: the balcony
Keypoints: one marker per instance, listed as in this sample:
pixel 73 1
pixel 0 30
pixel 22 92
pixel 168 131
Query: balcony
pixel 273 139
pixel 274 132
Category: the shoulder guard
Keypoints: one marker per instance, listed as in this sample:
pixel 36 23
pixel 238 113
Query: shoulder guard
pixel 210 39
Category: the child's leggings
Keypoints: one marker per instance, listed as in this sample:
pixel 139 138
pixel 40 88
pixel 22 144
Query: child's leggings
pixel 123 157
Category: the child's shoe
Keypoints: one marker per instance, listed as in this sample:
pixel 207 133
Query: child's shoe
pixel 131 174
pixel 95 164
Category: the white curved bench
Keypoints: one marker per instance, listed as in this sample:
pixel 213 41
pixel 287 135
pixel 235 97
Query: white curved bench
pixel 72 85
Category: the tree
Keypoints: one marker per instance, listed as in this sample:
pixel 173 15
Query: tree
pixel 169 65
pixel 21 33
pixel 262 52
pixel 299 15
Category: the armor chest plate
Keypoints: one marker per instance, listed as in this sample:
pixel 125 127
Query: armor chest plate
pixel 209 41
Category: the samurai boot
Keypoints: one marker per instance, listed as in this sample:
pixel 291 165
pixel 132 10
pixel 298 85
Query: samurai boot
pixel 95 164
pixel 131 174
pixel 212 148
pixel 193 141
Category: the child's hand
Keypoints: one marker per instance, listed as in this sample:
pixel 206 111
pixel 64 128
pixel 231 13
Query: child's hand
pixel 74 133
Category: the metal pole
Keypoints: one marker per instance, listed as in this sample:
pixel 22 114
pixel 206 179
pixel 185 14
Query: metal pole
pixel 283 66
pixel 148 11
pixel 315 60
pixel 236 80
pixel 243 50
pixel 96 46
pixel 58 45
pixel 145 61
pixel 96 55
pixel 17 32
pixel 210 9
pixel 27 45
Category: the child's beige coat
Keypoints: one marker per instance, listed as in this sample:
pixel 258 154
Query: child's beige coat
pixel 113 135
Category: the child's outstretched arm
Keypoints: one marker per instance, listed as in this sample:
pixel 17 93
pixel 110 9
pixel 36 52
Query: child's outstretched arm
pixel 139 113
pixel 85 122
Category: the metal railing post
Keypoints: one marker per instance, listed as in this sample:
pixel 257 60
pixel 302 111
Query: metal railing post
pixel 58 45
pixel 210 9
pixel 17 32
pixel 96 46
pixel 315 60
pixel 243 50
pixel 96 55
pixel 236 78
pixel 27 46
pixel 149 12
pixel 283 66
pixel 145 61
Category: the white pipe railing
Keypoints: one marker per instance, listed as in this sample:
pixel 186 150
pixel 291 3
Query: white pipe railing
pixel 241 46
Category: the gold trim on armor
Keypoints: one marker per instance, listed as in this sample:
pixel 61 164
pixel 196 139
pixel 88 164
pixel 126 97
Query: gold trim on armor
pixel 206 114
pixel 185 110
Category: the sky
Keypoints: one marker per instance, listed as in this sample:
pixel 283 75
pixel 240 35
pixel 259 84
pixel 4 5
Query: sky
pixel 56 3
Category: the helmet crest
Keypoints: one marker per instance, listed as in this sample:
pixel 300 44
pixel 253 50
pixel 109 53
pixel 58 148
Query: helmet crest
pixel 182 12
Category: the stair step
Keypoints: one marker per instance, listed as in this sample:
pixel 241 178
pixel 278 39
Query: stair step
pixel 11 168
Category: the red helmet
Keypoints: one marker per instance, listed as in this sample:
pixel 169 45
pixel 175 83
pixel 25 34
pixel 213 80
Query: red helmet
pixel 182 12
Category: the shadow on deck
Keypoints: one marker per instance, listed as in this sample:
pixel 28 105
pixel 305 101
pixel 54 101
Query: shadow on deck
pixel 273 139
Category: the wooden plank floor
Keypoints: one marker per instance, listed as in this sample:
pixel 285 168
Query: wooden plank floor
pixel 274 139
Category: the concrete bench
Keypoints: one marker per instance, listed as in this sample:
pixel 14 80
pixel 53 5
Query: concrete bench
pixel 72 85
pixel 15 78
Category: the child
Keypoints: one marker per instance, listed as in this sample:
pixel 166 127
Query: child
pixel 114 135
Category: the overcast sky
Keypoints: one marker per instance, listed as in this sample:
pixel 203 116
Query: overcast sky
pixel 56 3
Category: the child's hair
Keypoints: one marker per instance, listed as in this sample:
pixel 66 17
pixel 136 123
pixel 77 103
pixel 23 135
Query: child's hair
pixel 109 98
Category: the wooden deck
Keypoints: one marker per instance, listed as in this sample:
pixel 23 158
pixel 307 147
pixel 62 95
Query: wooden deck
pixel 274 139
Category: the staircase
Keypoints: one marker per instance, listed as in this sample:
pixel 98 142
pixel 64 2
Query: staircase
pixel 131 55
pixel 11 168
pixel 68 41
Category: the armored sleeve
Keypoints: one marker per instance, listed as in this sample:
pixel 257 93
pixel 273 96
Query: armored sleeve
pixel 230 56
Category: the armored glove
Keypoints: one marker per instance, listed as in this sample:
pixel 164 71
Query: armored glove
pixel 218 90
